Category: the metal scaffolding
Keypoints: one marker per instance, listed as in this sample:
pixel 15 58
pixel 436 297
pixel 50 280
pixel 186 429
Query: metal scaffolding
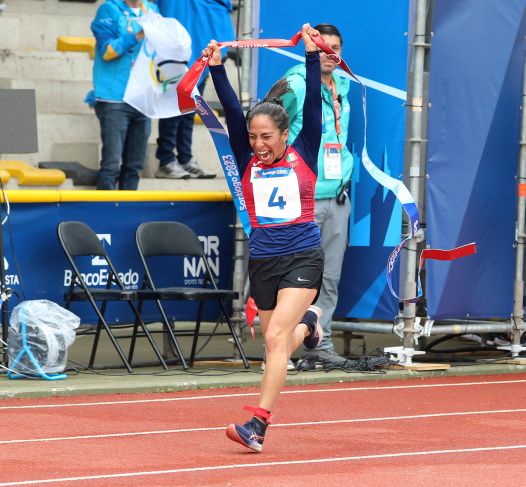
pixel 409 327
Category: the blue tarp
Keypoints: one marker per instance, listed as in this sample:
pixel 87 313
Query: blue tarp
pixel 375 48
pixel 203 19
pixel 477 58
pixel 37 267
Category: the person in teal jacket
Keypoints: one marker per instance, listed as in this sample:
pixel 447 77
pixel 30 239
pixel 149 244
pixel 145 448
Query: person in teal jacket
pixel 124 130
pixel 335 166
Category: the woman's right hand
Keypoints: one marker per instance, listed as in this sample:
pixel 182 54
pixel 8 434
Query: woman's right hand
pixel 214 51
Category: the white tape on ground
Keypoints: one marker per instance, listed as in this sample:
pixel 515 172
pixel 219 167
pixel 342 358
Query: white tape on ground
pixel 276 425
pixel 252 394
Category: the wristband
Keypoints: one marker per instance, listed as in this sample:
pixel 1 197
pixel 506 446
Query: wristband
pixel 312 53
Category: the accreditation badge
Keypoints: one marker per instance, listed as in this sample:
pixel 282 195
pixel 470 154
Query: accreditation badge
pixel 332 162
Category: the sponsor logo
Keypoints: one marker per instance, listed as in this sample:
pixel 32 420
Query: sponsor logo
pixel 105 238
pixel 194 267
pixel 130 279
pixel 392 258
pixel 99 275
pixel 243 44
pixel 10 279
pixel 200 108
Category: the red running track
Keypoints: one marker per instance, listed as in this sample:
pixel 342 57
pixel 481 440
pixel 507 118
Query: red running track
pixel 468 431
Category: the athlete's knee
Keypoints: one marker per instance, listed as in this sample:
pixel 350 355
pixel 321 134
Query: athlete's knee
pixel 275 340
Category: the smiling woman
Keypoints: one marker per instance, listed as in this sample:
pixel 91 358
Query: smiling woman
pixel 286 260
pixel 268 125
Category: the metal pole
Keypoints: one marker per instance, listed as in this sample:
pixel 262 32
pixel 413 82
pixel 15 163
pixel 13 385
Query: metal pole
pixel 518 291
pixel 238 306
pixel 246 54
pixel 4 295
pixel 416 141
pixel 437 329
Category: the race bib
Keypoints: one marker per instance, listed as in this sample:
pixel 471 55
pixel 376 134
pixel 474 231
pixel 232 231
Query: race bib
pixel 276 195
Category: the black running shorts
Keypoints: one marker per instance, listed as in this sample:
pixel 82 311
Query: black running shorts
pixel 300 270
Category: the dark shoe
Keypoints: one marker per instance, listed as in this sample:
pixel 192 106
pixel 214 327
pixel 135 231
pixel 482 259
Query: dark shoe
pixel 316 331
pixel 330 359
pixel 308 363
pixel 250 435
pixel 195 171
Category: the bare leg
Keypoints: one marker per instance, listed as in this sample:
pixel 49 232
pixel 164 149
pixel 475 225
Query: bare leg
pixel 283 335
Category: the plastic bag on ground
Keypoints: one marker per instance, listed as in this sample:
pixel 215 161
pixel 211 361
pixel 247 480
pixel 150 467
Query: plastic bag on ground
pixel 46 330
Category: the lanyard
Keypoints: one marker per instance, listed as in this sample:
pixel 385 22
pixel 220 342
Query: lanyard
pixel 337 108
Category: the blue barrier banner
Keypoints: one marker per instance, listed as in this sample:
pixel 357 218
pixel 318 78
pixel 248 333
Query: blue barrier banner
pixel 477 59
pixel 37 267
pixel 375 47
pixel 226 159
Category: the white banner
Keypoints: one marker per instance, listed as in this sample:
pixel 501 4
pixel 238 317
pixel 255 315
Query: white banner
pixel 160 65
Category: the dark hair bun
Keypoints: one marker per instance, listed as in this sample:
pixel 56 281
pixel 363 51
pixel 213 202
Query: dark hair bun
pixel 277 101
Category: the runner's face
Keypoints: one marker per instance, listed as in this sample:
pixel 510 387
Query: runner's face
pixel 327 65
pixel 266 140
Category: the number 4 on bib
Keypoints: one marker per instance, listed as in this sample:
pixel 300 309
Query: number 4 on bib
pixel 276 195
pixel 279 202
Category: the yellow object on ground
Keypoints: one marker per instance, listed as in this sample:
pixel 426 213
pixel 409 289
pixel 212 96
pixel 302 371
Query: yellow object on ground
pixel 77 44
pixel 32 176
pixel 4 176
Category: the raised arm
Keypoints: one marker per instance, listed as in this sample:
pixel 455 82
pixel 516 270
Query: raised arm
pixel 309 138
pixel 235 118
pixel 110 43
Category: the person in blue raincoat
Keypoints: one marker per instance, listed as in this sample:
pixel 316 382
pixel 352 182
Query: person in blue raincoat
pixel 124 130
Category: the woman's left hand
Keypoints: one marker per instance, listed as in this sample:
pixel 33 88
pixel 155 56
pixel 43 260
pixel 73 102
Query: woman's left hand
pixel 306 33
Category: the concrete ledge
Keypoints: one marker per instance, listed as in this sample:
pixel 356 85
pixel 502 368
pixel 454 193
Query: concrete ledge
pixel 15 7
pixel 23 64
pixel 149 380
pixel 55 96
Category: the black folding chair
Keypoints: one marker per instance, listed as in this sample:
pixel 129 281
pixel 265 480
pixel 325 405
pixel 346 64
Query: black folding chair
pixel 78 240
pixel 172 239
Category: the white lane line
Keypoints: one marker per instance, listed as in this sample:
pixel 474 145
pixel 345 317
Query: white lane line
pixel 252 394
pixel 375 85
pixel 279 425
pixel 266 464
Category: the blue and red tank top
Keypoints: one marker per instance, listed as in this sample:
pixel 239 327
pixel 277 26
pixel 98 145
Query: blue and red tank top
pixel 279 196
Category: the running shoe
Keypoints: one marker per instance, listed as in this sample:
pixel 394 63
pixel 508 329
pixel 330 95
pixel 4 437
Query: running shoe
pixel 251 434
pixel 173 170
pixel 195 171
pixel 316 332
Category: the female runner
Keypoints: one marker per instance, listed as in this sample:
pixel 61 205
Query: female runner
pixel 286 260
